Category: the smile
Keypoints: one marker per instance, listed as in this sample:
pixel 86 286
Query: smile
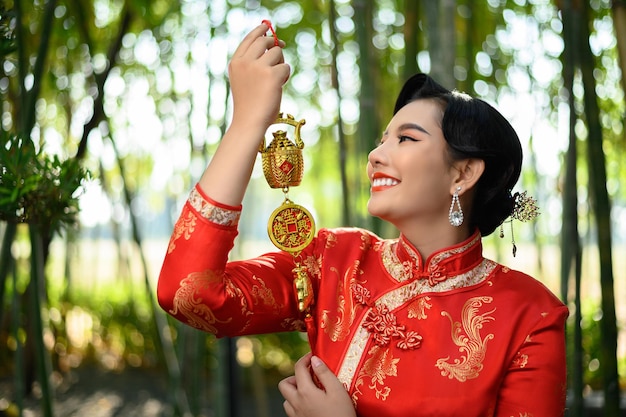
pixel 384 182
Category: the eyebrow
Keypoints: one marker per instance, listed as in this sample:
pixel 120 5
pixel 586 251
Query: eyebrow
pixel 414 126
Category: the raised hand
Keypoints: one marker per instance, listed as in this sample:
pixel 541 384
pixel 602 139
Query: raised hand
pixel 257 73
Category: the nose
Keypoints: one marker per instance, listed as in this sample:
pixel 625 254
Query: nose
pixel 376 155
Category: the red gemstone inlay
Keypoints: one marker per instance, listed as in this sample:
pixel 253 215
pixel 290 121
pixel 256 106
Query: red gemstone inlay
pixel 286 167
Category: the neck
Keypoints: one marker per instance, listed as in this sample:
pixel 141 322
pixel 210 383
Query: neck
pixel 430 238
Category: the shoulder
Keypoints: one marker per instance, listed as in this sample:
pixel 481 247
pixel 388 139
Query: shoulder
pixel 348 235
pixel 525 290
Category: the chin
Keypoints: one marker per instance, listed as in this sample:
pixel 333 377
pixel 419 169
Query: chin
pixel 376 211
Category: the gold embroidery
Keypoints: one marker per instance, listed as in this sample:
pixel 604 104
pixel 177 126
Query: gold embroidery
pixel 395 299
pixel 521 360
pixel 337 327
pixel 262 294
pixel 187 301
pixel 366 241
pixel 377 368
pixel 469 341
pixel 312 266
pixel 291 324
pixel 417 308
pixel 414 288
pixel 447 254
pixel 184 227
pixel 403 271
pixel 400 271
pixel 211 212
pixel 331 240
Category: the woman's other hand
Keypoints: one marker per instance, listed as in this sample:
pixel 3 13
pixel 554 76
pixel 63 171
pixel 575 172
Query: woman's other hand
pixel 303 398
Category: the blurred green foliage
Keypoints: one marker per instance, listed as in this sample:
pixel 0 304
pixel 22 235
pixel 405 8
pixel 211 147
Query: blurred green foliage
pixel 35 188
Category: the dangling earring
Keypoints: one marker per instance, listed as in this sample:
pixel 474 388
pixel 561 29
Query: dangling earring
pixel 456 216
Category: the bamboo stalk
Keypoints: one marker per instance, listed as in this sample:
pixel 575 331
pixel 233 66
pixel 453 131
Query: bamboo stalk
pixel 43 360
pixel 6 260
pixel 19 355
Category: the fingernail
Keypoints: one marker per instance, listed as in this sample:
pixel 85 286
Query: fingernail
pixel 315 361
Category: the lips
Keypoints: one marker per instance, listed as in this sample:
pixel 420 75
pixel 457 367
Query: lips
pixel 382 182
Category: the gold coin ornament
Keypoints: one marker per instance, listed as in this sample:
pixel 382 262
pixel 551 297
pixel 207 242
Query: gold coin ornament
pixel 290 227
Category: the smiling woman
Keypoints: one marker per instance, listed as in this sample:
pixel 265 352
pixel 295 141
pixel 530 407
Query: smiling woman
pixel 419 325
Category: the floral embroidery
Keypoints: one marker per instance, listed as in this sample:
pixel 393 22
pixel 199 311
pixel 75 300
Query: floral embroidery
pixel 361 294
pixel 378 329
pixel 189 303
pixel 410 340
pixel 211 212
pixel 521 360
pixel 290 324
pixel 400 271
pixel 312 266
pixel 417 308
pixel 262 294
pixel 366 242
pixel 331 240
pixel 377 368
pixel 185 226
pixel 466 336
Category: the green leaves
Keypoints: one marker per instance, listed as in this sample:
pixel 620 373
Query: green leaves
pixel 35 188
pixel 7 38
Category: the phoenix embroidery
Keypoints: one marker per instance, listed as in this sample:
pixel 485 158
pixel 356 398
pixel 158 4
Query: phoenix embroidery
pixel 188 301
pixel 466 335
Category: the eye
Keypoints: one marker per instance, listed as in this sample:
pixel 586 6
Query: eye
pixel 404 138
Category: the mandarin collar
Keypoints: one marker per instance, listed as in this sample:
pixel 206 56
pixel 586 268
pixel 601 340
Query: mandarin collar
pixel 442 264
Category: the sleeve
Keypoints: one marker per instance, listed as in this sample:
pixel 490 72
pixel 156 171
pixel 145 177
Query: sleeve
pixel 198 286
pixel 535 384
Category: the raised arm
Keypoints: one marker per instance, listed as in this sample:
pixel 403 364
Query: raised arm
pixel 257 72
pixel 197 284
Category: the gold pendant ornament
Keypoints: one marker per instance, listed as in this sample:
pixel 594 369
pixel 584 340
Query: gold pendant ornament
pixel 290 227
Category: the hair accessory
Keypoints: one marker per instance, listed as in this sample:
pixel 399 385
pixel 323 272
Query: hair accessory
pixel 269 24
pixel 525 209
pixel 455 216
pixel 290 227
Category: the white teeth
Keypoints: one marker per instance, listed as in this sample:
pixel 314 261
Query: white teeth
pixel 384 182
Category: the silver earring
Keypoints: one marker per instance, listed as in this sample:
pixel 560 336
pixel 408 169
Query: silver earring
pixel 456 216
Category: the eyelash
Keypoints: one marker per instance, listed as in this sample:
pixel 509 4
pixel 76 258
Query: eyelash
pixel 403 138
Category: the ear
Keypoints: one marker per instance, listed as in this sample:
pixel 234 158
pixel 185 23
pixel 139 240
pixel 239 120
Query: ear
pixel 468 172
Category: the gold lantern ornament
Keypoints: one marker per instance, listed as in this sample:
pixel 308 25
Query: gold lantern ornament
pixel 290 227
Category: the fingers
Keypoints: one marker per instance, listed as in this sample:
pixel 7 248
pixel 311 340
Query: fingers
pixel 256 43
pixel 303 374
pixel 250 38
pixel 324 374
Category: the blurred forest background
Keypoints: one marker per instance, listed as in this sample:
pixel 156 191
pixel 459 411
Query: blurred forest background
pixel 110 110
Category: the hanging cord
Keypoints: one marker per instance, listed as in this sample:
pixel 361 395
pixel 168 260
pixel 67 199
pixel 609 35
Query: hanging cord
pixel 269 24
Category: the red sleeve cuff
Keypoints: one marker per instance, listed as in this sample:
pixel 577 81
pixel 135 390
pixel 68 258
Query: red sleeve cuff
pixel 212 210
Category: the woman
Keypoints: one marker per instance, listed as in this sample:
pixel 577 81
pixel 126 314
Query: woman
pixel 420 325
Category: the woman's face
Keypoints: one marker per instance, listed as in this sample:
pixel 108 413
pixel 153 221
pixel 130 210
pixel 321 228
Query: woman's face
pixel 410 173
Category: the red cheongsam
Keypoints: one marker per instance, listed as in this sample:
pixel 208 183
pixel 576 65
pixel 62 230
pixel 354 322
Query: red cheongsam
pixel 456 335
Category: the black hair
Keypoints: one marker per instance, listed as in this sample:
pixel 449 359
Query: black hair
pixel 474 129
